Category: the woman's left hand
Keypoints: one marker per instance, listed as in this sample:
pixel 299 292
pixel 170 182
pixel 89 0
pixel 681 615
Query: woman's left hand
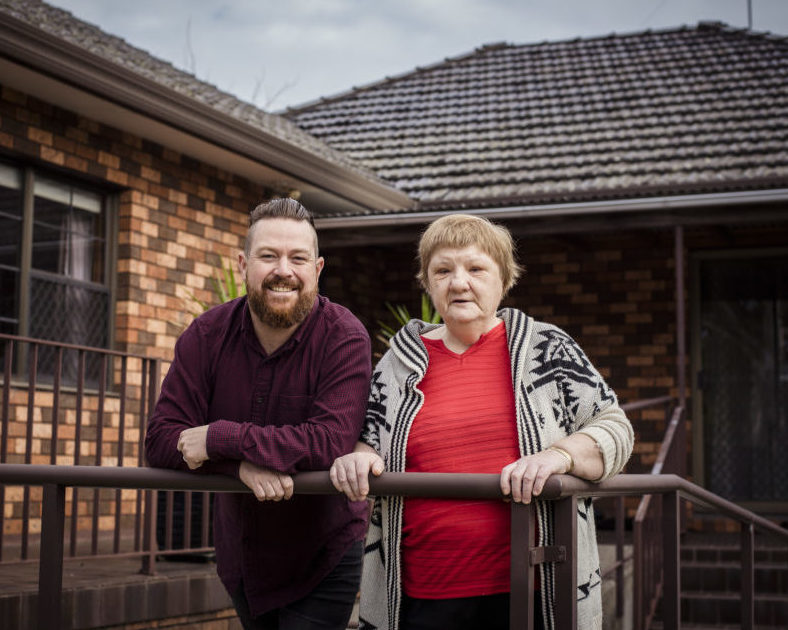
pixel 525 478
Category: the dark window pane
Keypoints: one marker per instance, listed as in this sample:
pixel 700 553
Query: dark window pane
pixel 68 240
pixel 47 248
pixel 70 313
pixel 10 202
pixel 9 279
pixel 10 191
pixel 10 237
pixel 10 218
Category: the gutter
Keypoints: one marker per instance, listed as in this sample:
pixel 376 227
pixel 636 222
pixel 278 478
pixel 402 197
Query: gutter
pixel 636 205
pixel 78 67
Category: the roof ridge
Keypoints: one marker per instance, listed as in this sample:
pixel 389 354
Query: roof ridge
pixel 323 100
pixel 703 25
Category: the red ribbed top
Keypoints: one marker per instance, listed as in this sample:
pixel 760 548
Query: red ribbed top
pixel 453 548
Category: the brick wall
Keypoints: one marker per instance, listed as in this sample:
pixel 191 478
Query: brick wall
pixel 614 292
pixel 178 220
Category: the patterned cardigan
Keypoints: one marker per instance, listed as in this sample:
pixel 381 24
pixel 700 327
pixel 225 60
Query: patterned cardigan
pixel 557 392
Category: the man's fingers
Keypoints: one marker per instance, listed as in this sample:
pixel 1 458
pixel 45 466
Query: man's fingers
pixel 191 463
pixel 287 486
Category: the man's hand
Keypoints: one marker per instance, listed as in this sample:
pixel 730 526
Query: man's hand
pixel 192 444
pixel 267 485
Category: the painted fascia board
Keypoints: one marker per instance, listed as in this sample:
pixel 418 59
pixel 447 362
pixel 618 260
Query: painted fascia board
pixel 631 206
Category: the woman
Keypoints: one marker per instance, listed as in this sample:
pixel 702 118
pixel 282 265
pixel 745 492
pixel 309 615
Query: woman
pixel 489 390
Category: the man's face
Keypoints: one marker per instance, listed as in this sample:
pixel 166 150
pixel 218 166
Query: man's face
pixel 281 271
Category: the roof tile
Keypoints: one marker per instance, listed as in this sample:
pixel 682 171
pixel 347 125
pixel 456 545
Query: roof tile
pixel 705 107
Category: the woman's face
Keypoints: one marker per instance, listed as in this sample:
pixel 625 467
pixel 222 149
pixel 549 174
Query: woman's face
pixel 465 285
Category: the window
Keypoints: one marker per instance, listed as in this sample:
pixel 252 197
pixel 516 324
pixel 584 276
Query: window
pixel 10 237
pixel 54 273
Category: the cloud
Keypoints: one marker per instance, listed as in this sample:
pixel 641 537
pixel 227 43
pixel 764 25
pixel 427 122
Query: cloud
pixel 301 50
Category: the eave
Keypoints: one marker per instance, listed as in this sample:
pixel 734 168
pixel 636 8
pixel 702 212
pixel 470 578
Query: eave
pixel 37 63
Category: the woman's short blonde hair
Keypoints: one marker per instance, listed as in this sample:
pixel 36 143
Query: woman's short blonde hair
pixel 457 231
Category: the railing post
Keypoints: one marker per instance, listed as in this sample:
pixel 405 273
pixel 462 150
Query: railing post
pixel 620 524
pixel 565 525
pixel 747 576
pixel 50 567
pixel 7 366
pixel 638 573
pixel 681 319
pixel 521 599
pixel 149 534
pixel 671 530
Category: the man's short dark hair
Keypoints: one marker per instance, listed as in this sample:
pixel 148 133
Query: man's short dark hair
pixel 279 208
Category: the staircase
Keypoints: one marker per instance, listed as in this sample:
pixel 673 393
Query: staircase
pixel 711 583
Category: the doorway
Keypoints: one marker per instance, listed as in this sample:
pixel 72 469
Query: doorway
pixel 741 359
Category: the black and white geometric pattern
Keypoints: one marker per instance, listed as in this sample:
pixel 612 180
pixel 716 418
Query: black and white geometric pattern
pixel 557 392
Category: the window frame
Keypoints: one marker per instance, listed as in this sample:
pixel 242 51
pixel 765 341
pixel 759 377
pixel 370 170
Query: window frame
pixel 109 211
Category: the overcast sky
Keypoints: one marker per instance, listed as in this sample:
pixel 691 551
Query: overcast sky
pixel 277 53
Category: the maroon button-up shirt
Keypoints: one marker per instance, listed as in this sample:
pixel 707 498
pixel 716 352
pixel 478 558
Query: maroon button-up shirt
pixel 297 409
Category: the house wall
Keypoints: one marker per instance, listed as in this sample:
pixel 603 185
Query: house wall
pixel 178 220
pixel 614 292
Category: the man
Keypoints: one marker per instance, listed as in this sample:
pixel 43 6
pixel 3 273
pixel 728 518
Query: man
pixel 260 388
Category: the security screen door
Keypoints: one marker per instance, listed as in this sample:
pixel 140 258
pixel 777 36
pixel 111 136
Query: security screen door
pixel 744 377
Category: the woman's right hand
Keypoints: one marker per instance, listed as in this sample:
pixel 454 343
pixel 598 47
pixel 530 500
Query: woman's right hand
pixel 350 473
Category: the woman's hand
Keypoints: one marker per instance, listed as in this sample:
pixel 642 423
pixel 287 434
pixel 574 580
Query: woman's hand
pixel 350 473
pixel 525 478
pixel 267 485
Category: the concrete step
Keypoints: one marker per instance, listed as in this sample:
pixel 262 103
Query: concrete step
pixel 771 610
pixel 770 577
pixel 731 553
pixel 657 625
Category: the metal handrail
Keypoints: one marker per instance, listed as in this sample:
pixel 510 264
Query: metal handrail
pixel 649 570
pixel 71 346
pixel 645 403
pixel 563 489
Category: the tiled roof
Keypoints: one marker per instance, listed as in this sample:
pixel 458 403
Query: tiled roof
pixel 681 111
pixel 66 27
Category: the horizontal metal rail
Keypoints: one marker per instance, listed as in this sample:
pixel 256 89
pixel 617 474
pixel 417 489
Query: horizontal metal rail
pixel 637 405
pixel 71 346
pixel 563 489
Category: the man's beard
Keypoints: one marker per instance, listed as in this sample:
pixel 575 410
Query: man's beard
pixel 277 317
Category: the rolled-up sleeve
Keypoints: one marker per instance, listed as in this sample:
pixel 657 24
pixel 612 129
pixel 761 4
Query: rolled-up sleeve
pixel 597 412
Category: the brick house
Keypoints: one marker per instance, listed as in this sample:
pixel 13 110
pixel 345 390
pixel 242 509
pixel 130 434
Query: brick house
pixel 608 158
pixel 126 182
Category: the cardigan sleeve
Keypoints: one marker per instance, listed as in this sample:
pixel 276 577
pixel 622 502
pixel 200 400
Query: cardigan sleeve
pixel 594 409
pixel 375 418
